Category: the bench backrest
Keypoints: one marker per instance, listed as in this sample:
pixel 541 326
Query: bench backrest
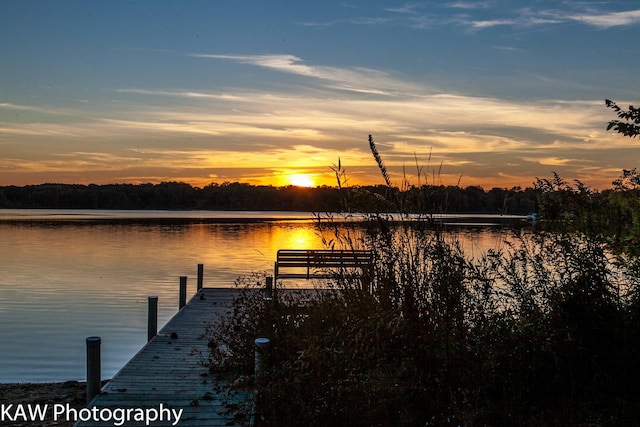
pixel 309 263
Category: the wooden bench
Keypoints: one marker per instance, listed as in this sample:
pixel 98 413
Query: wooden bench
pixel 315 263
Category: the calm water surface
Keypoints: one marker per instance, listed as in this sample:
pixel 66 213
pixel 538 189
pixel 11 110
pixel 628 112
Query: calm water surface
pixel 67 275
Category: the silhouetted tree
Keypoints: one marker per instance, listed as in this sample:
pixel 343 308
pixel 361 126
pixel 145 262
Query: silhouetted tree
pixel 630 123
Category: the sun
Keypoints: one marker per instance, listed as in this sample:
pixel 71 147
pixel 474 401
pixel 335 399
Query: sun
pixel 301 180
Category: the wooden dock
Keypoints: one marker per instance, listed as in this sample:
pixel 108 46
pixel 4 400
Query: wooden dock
pixel 169 371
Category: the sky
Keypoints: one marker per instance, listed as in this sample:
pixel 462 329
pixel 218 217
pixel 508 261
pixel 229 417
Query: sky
pixel 492 93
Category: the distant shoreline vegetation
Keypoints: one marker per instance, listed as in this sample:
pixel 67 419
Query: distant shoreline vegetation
pixel 240 196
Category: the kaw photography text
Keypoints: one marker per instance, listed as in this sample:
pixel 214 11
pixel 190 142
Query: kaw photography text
pixel 64 412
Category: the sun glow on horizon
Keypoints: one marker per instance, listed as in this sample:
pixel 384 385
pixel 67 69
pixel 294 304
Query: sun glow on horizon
pixel 301 180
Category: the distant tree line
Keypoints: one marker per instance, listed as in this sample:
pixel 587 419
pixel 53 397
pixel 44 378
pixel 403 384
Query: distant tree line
pixel 240 196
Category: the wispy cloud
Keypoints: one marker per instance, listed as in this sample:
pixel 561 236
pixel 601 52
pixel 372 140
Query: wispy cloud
pixel 363 20
pixel 359 79
pixel 469 4
pixel 33 108
pixel 285 115
pixel 529 17
pixel 408 8
pixel 10 106
pixel 608 20
pixel 553 161
pixel 181 94
pixel 482 24
pixel 507 48
pixel 483 15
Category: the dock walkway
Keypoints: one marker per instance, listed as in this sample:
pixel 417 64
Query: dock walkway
pixel 169 371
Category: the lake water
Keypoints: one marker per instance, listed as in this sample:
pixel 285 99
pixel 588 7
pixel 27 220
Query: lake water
pixel 68 274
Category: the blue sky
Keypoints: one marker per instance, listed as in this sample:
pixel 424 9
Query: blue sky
pixel 490 93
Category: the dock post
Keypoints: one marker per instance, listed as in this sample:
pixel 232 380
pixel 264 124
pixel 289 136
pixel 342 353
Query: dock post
pixel 93 367
pixel 152 318
pixel 200 275
pixel 261 355
pixel 183 292
pixel 268 287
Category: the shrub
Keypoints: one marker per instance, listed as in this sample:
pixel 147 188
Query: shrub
pixel 543 332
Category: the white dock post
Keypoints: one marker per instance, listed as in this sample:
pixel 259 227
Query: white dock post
pixel 261 354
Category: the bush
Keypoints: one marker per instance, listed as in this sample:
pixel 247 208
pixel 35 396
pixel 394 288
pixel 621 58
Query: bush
pixel 544 332
pixel 541 333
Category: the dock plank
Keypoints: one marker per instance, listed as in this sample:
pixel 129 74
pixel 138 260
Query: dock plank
pixel 170 370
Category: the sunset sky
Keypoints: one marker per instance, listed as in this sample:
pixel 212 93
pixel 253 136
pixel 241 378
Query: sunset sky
pixel 490 93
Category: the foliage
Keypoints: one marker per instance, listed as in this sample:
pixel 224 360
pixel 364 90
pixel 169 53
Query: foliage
pixel 571 206
pixel 625 202
pixel 630 123
pixel 612 216
pixel 542 332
